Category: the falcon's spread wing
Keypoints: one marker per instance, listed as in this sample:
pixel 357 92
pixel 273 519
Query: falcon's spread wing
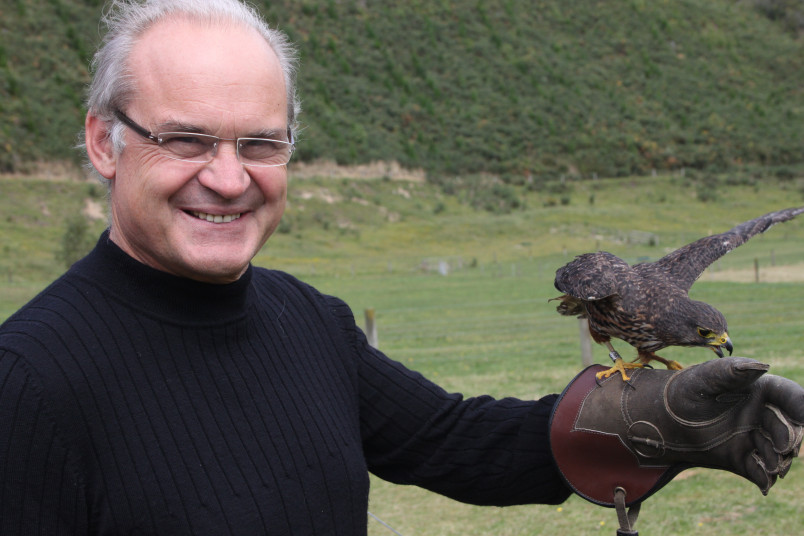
pixel 685 265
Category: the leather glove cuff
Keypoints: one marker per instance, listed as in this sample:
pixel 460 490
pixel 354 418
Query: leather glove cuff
pixel 595 463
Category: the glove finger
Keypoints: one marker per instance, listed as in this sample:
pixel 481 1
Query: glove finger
pixel 785 394
pixel 765 450
pixel 716 376
pixel 785 436
pixel 756 471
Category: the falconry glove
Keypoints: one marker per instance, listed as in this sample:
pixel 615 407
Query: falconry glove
pixel 635 436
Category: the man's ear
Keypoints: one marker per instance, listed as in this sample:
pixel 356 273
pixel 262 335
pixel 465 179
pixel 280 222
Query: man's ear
pixel 99 146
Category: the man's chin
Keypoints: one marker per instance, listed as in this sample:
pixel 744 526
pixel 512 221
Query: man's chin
pixel 221 268
pixel 217 277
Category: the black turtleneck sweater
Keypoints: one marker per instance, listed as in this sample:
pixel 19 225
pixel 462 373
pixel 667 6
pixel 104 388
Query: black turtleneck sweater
pixel 136 402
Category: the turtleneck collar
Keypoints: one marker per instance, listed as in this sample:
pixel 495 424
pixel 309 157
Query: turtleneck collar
pixel 159 294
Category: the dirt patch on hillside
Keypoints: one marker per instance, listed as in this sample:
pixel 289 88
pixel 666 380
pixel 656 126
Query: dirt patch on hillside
pixel 792 273
pixel 328 169
pixel 50 171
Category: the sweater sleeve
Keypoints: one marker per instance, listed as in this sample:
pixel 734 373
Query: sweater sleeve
pixel 39 494
pixel 476 450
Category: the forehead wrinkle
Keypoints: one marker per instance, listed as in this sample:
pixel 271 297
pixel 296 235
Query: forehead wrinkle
pixel 214 117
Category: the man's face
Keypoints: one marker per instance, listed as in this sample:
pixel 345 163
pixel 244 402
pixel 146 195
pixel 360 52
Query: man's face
pixel 221 80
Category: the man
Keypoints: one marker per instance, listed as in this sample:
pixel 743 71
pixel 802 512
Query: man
pixel 164 385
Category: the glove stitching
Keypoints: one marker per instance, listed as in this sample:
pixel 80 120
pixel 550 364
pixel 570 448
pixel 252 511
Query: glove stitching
pixel 709 445
pixel 791 434
pixel 769 478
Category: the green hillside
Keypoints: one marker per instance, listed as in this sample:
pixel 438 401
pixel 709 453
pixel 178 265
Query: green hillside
pixel 525 90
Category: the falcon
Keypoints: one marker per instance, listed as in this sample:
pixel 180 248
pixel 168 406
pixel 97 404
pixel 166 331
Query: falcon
pixel 647 305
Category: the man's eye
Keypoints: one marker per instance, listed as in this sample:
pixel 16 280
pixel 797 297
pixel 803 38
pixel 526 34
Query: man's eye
pixel 256 143
pixel 186 145
pixel 259 148
pixel 183 139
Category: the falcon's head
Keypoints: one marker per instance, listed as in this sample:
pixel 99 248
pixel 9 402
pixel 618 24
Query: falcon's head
pixel 705 326
pixel 716 340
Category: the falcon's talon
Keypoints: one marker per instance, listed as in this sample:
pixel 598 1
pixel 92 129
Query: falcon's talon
pixel 669 363
pixel 619 366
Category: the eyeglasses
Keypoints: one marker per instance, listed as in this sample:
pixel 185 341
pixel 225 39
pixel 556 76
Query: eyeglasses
pixel 202 148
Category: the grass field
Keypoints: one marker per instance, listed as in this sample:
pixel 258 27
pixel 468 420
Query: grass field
pixel 487 326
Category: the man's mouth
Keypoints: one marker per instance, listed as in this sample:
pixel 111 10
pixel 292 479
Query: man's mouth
pixel 216 218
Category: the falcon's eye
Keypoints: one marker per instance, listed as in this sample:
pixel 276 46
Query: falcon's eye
pixel 705 333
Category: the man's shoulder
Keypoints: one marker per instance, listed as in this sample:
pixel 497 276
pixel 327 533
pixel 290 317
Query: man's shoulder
pixel 278 283
pixel 37 321
pixel 45 298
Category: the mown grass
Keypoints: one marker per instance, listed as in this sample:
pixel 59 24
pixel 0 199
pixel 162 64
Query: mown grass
pixel 698 502
pixel 487 326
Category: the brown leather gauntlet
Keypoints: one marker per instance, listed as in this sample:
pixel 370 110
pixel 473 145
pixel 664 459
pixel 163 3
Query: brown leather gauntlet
pixel 724 414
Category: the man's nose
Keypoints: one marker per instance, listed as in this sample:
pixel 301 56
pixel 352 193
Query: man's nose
pixel 224 174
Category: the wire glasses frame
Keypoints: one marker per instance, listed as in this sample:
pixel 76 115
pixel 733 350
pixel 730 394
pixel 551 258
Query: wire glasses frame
pixel 202 148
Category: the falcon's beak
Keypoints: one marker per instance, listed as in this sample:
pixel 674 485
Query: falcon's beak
pixel 721 341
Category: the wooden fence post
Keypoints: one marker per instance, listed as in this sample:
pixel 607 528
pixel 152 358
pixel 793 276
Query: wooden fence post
pixel 371 328
pixel 586 342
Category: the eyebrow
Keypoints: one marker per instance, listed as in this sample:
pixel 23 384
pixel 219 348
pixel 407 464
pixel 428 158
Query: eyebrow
pixel 180 126
pixel 269 133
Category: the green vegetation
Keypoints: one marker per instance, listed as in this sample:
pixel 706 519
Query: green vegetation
pixel 527 91
pixel 44 55
pixel 487 326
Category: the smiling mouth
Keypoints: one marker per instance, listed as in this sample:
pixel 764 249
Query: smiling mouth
pixel 216 218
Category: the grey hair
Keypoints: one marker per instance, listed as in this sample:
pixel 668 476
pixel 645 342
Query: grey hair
pixel 112 85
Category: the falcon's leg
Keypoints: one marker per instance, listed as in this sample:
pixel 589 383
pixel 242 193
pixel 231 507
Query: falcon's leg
pixel 619 365
pixel 647 357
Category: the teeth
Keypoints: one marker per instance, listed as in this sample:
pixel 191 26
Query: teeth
pixel 216 218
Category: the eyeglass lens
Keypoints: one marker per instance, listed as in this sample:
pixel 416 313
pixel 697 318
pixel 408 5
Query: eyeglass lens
pixel 203 148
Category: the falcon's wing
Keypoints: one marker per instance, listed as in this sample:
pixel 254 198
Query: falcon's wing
pixel 686 264
pixel 593 276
